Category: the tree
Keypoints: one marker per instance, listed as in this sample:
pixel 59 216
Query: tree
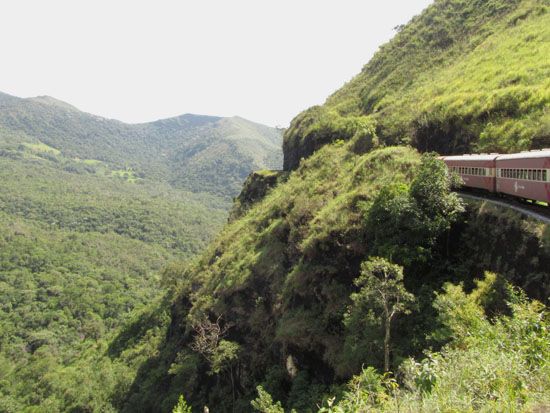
pixel 221 354
pixel 264 402
pixel 381 286
pixel 182 406
pixel 405 222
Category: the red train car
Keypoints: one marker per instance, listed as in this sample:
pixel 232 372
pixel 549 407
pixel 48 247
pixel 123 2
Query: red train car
pixel 477 171
pixel 525 175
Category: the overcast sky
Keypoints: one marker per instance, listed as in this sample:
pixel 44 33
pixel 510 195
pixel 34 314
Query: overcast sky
pixel 138 61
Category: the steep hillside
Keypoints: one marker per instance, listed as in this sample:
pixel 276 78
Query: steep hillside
pixel 196 153
pixel 280 279
pixel 463 76
pixel 286 296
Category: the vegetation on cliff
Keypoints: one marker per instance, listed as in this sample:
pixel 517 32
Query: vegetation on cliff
pixel 463 76
pixel 274 300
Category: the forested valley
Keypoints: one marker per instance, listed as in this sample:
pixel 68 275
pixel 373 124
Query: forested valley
pixel 91 213
pixel 345 275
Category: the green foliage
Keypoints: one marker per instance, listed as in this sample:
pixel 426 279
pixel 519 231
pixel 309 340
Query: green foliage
pixel 405 222
pixel 490 365
pixel 225 353
pixel 264 402
pixel 182 406
pixel 381 296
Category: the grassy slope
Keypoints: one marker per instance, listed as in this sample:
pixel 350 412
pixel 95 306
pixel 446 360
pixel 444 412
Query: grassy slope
pixel 462 76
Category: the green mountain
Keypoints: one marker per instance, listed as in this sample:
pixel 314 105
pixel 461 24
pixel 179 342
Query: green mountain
pixel 192 152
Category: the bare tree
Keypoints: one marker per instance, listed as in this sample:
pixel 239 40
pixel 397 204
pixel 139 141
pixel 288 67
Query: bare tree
pixel 208 335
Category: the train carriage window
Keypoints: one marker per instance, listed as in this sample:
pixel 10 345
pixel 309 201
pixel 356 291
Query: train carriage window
pixel 544 178
pixel 539 175
pixel 530 174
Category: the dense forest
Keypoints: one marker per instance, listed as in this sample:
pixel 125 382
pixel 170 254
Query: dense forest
pixel 89 220
pixel 355 279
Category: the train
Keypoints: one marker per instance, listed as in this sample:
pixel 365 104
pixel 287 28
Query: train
pixel 524 175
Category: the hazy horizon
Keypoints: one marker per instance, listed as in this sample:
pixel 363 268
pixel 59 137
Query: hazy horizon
pixel 142 62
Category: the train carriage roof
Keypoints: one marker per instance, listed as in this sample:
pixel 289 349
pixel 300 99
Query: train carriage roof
pixel 475 157
pixel 542 153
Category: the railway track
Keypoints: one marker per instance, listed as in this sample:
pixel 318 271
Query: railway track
pixel 540 213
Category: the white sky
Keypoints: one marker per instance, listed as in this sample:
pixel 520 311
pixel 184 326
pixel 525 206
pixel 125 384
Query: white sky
pixel 138 61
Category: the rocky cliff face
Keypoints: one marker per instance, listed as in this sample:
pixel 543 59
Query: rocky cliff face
pixel 255 188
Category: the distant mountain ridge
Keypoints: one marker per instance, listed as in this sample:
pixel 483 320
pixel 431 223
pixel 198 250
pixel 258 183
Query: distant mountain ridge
pixel 193 152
